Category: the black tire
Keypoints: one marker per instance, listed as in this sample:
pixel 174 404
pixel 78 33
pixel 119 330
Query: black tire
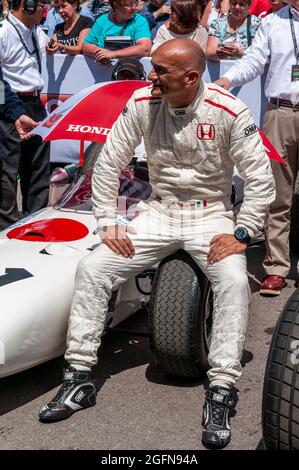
pixel 280 411
pixel 180 317
pixel 294 229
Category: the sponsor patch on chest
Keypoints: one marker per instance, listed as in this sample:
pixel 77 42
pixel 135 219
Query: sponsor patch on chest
pixel 206 131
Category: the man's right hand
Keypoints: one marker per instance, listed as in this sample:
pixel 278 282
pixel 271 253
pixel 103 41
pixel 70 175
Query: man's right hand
pixel 116 238
pixel 223 82
pixel 24 125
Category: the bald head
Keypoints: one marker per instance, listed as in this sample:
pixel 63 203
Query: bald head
pixel 178 66
pixel 184 52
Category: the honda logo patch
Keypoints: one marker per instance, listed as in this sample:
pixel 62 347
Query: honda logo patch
pixel 206 131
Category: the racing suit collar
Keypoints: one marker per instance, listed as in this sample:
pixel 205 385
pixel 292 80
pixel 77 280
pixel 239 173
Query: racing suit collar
pixel 191 108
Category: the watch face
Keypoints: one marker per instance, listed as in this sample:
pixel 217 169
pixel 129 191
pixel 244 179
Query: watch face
pixel 241 234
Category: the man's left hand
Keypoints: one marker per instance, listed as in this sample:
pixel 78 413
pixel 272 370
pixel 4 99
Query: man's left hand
pixel 224 245
pixel 24 125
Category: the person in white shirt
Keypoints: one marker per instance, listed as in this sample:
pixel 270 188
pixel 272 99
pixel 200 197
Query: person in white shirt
pixel 183 23
pixel 21 45
pixel 276 43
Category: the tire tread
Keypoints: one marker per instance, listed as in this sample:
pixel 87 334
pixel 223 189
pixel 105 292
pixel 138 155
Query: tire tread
pixel 281 393
pixel 174 317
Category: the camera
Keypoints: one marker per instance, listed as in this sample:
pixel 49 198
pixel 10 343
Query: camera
pixel 51 43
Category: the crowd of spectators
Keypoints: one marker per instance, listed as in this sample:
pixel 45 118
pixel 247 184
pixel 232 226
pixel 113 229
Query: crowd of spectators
pixel 223 28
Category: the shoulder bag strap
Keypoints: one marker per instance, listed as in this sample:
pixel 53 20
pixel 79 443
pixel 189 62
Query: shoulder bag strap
pixel 249 38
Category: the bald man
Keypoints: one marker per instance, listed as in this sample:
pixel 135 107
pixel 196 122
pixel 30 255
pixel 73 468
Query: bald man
pixel 193 134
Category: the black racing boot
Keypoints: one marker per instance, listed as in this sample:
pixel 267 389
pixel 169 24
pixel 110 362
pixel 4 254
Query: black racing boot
pixel 77 392
pixel 215 420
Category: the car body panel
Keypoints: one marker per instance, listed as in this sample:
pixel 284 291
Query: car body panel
pixel 36 288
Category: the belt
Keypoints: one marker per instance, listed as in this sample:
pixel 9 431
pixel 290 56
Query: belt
pixel 284 103
pixel 183 205
pixel 30 93
pixel 188 205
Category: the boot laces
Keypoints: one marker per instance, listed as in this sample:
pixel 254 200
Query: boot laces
pixel 218 413
pixel 63 391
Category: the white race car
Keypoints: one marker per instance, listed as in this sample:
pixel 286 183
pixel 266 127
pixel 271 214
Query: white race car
pixel 38 259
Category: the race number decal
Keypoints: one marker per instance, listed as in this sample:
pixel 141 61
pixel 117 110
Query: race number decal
pixel 13 275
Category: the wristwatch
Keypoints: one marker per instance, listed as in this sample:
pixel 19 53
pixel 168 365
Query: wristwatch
pixel 242 235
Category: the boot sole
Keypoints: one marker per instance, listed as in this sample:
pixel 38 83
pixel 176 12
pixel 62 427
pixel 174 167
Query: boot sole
pixel 213 446
pixel 56 419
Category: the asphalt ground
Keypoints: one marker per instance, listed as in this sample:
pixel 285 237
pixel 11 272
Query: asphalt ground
pixel 138 406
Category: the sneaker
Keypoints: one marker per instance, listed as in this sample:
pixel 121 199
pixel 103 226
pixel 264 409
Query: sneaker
pixel 215 421
pixel 77 392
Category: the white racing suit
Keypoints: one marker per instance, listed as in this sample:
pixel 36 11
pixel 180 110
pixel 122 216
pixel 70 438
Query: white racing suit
pixel 191 153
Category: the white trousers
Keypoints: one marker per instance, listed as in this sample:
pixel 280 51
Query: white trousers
pixel 161 231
